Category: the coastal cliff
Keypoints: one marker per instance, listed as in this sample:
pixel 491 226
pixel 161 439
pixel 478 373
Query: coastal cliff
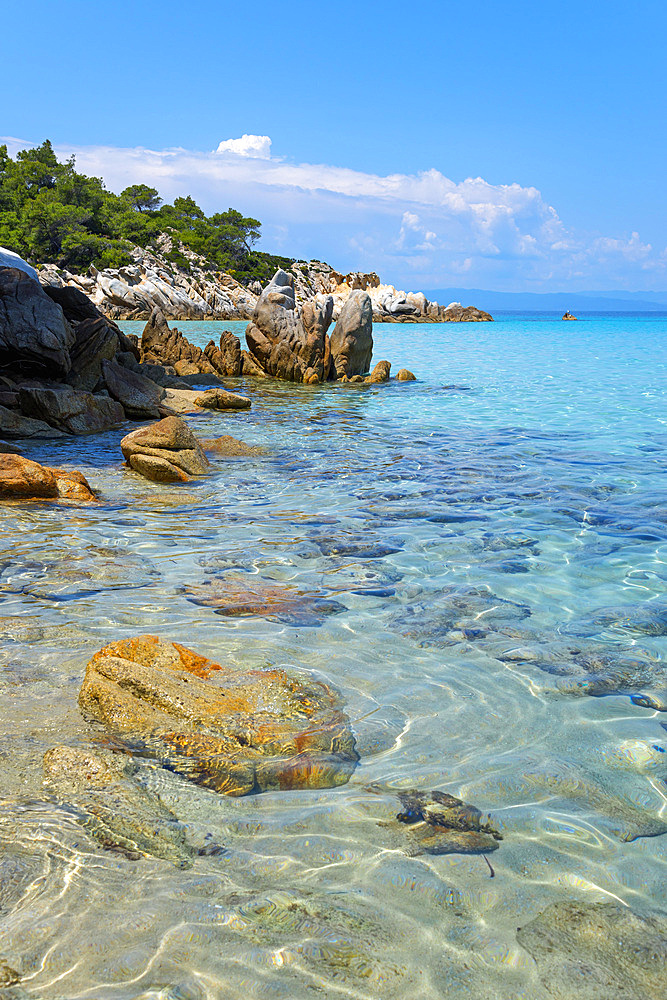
pixel 199 291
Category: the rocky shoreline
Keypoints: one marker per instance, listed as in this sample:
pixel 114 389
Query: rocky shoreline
pixel 152 281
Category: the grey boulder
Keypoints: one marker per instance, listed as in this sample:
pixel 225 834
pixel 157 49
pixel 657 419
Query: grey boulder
pixel 352 338
pixel 35 337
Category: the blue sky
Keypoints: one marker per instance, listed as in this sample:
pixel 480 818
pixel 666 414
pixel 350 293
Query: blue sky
pixel 510 146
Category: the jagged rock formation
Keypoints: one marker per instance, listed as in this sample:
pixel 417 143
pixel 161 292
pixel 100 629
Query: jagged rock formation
pixel 285 340
pixel 201 292
pixel 67 369
pixel 288 343
pixel 133 292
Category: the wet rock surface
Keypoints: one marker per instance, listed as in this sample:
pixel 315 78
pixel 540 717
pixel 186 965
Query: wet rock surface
pixel 586 951
pixel 165 452
pixel 244 596
pixel 231 447
pixel 231 731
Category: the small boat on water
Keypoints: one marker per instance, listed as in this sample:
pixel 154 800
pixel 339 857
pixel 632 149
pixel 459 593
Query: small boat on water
pixel 568 315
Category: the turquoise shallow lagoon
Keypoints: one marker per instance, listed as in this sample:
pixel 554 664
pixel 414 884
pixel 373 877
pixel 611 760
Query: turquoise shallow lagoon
pixel 496 536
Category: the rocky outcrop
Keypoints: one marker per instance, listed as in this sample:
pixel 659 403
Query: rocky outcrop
pixel 139 396
pixel 163 345
pixel 352 338
pixel 233 731
pixel 199 291
pixel 151 281
pixel 287 342
pixel 380 373
pixel 14 425
pixel 226 358
pixel 405 375
pixel 22 479
pixel 166 452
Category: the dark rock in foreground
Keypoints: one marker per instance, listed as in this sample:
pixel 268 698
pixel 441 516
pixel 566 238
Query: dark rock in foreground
pixel 34 334
pixel 236 732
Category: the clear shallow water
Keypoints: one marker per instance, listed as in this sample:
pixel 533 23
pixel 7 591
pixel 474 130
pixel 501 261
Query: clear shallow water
pixel 495 505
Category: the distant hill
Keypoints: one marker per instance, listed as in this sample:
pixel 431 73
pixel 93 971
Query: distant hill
pixel 613 301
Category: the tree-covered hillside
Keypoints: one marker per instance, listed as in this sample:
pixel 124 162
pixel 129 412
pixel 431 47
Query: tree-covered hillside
pixel 49 213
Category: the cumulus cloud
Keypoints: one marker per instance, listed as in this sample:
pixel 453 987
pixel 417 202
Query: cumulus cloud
pixel 254 146
pixel 416 230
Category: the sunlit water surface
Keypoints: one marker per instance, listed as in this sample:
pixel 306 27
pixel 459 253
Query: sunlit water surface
pixel 497 503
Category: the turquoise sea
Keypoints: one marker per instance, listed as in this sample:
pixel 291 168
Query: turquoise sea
pixel 494 537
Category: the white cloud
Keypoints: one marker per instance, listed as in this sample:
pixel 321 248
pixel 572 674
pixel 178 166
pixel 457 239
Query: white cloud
pixel 254 146
pixel 416 230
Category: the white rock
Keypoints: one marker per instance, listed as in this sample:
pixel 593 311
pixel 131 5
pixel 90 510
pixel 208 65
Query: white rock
pixel 10 259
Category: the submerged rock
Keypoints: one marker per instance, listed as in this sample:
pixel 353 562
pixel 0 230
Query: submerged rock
pixel 166 452
pixel 439 823
pixel 231 447
pixel 456 613
pixel 220 399
pixel 22 479
pixel 594 669
pixel 590 951
pixel 234 731
pixel 644 618
pixel 116 811
pixel 247 597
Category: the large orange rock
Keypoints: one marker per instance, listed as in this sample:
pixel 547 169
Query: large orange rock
pixel 234 731
pixel 22 479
